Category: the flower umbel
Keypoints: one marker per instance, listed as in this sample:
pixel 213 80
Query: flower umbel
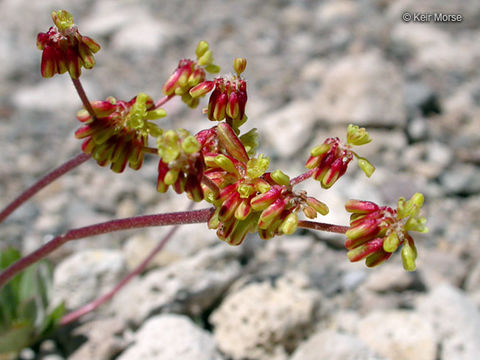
pixel 229 97
pixel 376 232
pixel 64 48
pixel 330 160
pixel 120 131
pixel 189 74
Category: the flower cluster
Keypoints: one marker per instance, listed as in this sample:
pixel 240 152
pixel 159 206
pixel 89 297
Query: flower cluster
pixel 64 48
pixel 330 160
pixel 251 199
pixel 229 97
pixel 189 74
pixel 181 164
pixel 120 130
pixel 376 232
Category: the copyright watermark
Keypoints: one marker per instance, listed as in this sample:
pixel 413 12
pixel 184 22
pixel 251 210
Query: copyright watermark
pixel 417 17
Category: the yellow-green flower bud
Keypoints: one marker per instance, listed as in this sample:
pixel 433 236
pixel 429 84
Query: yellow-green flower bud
pixel 257 167
pixel 225 163
pixel 280 177
pixel 357 135
pixel 409 255
pixel 289 225
pixel 366 166
pixel 201 49
pixel 391 243
pixel 190 145
pixel 320 149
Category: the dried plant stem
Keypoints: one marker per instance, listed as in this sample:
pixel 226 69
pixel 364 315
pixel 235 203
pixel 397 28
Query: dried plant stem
pixel 44 181
pixel 176 218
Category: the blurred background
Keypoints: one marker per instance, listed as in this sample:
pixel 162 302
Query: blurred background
pixel 313 67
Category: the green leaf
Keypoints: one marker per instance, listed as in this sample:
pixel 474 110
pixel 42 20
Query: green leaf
pixel 16 338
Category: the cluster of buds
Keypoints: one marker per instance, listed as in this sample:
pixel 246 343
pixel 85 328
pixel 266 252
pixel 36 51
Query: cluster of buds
pixel 189 74
pixel 330 160
pixel 64 48
pixel 229 96
pixel 376 232
pixel 181 164
pixel 120 130
pixel 250 198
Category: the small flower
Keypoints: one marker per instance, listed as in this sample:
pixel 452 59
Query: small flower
pixel 376 232
pixel 64 48
pixel 120 131
pixel 189 74
pixel 229 97
pixel 181 164
pixel 330 160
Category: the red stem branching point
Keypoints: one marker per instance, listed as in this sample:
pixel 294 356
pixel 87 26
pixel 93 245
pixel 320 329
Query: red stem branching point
pixel 176 218
pixel 44 181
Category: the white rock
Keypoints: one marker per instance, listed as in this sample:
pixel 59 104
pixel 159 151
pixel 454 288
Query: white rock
pixel 364 89
pixel 332 345
pixel 288 129
pixel 86 275
pixel 262 321
pixel 190 285
pixel 456 322
pixel 171 337
pixel 398 335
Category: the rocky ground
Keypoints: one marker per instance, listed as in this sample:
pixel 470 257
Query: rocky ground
pixel 313 67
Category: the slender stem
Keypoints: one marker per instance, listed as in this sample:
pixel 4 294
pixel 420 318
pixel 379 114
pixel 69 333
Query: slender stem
pixel 84 98
pixel 163 101
pixel 323 226
pixel 85 309
pixel 184 217
pixel 211 185
pixel 44 181
pixel 150 150
pixel 301 177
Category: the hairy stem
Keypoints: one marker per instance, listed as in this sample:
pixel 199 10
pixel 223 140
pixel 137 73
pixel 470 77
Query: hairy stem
pixel 302 177
pixel 163 101
pixel 74 315
pixel 211 185
pixel 84 98
pixel 323 226
pixel 44 181
pixel 176 218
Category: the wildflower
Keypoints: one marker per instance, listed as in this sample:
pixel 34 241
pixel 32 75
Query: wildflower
pixel 330 160
pixel 189 74
pixel 120 131
pixel 64 48
pixel 376 232
pixel 181 164
pixel 251 199
pixel 229 97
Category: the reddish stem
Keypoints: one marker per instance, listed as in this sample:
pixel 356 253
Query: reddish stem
pixel 44 181
pixel 163 101
pixel 85 309
pixel 150 150
pixel 302 177
pixel 211 185
pixel 323 226
pixel 83 97
pixel 176 218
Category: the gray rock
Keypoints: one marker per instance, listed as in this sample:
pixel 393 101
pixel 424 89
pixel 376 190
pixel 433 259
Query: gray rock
pixel 267 320
pixel 333 345
pixel 456 322
pixel 86 275
pixel 104 339
pixel 461 179
pixel 190 285
pixel 171 337
pixel 363 89
pixel 288 129
pixel 398 335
